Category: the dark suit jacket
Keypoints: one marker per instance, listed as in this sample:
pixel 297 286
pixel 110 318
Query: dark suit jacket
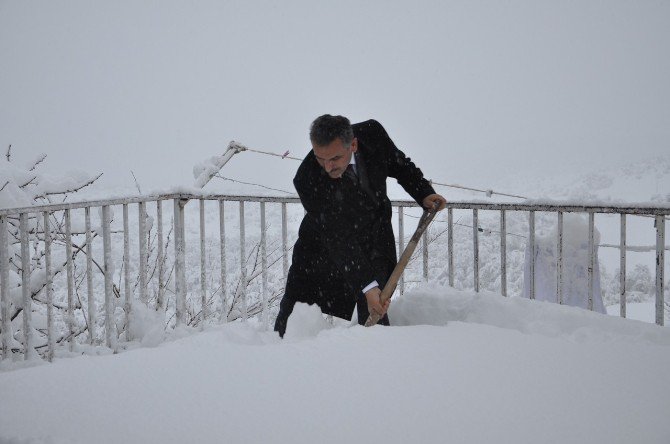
pixel 346 239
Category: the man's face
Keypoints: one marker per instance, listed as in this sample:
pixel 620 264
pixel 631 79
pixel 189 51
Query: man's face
pixel 335 157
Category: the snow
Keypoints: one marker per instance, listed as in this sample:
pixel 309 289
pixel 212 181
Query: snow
pixel 457 367
pixel 306 321
pixel 575 255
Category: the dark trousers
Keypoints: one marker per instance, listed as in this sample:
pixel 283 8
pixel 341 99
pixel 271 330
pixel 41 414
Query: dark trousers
pixel 287 304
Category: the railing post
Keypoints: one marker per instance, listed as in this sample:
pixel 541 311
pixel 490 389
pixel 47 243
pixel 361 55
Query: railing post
pixel 5 299
pixel 243 265
pixel 142 228
pixel 450 244
pixel 264 270
pixel 559 260
pixel 660 265
pixel 89 274
pixel 475 248
pixel 424 252
pixel 622 267
pixel 51 340
pixel 29 350
pixel 110 330
pixel 284 239
pixel 531 247
pixel 203 264
pixel 503 253
pixel 160 299
pixel 223 317
pixel 401 242
pixel 591 258
pixel 70 280
pixel 128 296
pixel 180 273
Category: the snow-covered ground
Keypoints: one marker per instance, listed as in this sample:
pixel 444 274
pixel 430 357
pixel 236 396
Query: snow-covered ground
pixel 457 367
pixel 491 95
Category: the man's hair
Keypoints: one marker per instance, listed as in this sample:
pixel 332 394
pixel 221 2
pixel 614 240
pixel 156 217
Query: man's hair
pixel 325 129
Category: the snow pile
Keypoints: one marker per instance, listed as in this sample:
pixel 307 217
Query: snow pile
pixel 22 184
pixel 487 369
pixel 147 325
pixel 437 305
pixel 575 253
pixel 205 170
pixel 306 321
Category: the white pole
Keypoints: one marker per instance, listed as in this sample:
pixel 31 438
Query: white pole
pixel 89 275
pixel 110 325
pixel 223 317
pixel 264 269
pixel 5 301
pixel 243 265
pixel 591 259
pixel 622 267
pixel 559 260
pixel 51 339
pixel 284 239
pixel 401 243
pixel 503 253
pixel 180 274
pixel 531 242
pixel 70 280
pixel 660 266
pixel 475 247
pixel 203 264
pixel 450 244
pixel 142 215
pixel 128 305
pixel 160 301
pixel 29 350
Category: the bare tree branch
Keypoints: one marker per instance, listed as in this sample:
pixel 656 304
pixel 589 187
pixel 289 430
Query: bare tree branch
pixel 9 153
pixel 37 162
pixel 137 185
pixel 3 187
pixel 73 190
pixel 28 183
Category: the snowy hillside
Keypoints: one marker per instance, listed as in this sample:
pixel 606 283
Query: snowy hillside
pixel 461 368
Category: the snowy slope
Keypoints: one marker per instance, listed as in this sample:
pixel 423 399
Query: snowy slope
pixel 488 369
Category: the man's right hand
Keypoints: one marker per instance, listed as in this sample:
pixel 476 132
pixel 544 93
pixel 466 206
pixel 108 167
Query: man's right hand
pixel 373 296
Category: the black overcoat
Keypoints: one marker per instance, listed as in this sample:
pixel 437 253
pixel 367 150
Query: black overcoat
pixel 346 239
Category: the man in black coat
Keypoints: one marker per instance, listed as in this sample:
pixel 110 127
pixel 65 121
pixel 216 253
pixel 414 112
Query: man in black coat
pixel 345 250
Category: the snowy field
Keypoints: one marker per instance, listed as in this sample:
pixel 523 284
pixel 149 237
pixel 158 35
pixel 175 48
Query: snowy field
pixel 458 367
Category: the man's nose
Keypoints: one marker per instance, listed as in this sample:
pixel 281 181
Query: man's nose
pixel 328 165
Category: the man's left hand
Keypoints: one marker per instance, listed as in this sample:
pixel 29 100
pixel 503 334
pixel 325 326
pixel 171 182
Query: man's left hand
pixel 434 199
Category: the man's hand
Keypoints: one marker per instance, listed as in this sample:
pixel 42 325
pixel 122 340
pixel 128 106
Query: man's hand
pixel 373 297
pixel 430 201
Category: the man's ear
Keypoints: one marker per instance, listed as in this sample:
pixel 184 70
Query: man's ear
pixel 354 145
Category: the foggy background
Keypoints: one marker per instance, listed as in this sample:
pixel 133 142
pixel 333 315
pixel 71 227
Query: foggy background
pixel 474 92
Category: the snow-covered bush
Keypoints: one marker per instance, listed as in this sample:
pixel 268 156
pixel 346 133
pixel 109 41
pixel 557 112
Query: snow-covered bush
pixel 24 185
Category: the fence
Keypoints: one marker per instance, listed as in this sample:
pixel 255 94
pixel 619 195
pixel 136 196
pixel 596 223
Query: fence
pixel 27 280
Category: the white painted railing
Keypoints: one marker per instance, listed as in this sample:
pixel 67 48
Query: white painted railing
pixel 44 229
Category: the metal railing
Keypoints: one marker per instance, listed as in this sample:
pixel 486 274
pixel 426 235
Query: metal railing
pixel 38 228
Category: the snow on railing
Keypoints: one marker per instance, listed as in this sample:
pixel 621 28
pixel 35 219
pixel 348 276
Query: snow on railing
pixel 27 283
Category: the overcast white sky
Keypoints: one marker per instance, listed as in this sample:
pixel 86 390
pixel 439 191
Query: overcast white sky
pixel 470 90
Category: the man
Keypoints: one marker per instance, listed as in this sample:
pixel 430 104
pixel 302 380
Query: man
pixel 345 250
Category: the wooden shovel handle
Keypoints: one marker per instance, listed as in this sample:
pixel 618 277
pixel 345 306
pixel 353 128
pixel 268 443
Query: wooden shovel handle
pixel 426 218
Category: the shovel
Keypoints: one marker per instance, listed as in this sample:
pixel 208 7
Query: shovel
pixel 426 218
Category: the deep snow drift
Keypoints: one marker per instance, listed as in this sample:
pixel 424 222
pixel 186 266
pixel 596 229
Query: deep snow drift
pixel 457 367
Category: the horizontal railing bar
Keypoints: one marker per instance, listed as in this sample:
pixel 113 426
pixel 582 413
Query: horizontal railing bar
pixel 637 209
pixel 553 208
pixel 82 204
